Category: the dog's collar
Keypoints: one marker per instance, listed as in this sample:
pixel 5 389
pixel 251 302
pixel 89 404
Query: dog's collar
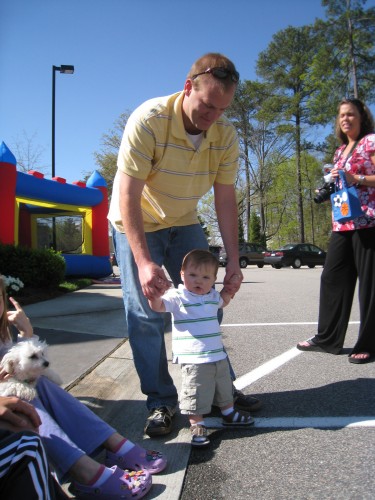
pixel 29 381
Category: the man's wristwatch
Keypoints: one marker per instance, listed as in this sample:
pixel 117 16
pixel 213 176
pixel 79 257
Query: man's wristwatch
pixel 361 179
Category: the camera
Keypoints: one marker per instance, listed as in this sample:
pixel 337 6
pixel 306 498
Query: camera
pixel 328 187
pixel 325 192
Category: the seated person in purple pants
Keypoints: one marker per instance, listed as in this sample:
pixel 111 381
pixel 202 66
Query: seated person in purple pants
pixel 71 433
pixel 24 470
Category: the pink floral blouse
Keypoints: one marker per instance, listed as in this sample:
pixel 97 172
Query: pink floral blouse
pixel 359 164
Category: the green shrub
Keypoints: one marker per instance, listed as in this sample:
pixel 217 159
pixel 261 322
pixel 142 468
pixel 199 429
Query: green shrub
pixel 36 268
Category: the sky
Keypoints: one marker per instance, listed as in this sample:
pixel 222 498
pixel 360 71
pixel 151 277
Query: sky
pixel 124 52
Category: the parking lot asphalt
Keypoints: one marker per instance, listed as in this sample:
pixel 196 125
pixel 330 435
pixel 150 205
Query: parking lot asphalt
pixel 314 437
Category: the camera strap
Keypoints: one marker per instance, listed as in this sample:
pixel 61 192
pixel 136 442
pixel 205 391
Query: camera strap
pixel 337 183
pixel 349 155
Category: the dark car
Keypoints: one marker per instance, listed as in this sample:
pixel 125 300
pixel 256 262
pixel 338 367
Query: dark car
pixel 296 255
pixel 250 254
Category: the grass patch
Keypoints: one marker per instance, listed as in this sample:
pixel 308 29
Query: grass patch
pixel 74 284
pixel 32 295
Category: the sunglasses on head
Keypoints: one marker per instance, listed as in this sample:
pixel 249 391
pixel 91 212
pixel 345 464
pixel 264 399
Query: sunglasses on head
pixel 220 73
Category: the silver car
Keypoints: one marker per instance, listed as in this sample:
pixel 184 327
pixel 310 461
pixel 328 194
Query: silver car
pixel 250 254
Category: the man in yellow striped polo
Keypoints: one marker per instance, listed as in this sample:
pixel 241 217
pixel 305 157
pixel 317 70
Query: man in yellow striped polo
pixel 173 151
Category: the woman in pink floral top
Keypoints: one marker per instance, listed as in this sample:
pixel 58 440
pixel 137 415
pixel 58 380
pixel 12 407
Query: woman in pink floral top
pixel 351 250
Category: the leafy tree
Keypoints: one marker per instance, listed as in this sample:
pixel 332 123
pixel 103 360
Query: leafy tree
pixel 344 62
pixel 282 223
pixel 208 219
pixel 255 233
pixel 283 66
pixel 241 234
pixel 204 227
pixel 207 216
pixel 106 159
pixel 241 112
pixel 262 147
pixel 28 154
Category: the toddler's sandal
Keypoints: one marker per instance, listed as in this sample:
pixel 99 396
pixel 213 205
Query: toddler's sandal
pixel 138 458
pixel 199 435
pixel 122 484
pixel 238 418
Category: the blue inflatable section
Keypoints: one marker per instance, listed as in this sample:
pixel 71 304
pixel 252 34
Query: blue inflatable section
pixel 6 155
pixel 69 194
pixel 96 180
pixel 87 265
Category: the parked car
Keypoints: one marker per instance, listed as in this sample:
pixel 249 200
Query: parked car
pixel 250 254
pixel 296 255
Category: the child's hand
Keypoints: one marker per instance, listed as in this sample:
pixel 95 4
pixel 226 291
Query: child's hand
pixel 164 285
pixel 19 319
pixel 232 285
pixel 3 374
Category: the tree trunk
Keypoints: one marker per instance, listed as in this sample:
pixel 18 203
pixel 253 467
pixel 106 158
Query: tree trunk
pixel 299 181
pixel 351 49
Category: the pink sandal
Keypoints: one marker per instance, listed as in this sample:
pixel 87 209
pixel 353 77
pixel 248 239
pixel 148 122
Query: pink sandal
pixel 122 484
pixel 138 458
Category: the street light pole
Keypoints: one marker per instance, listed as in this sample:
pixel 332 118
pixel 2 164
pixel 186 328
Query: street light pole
pixel 67 70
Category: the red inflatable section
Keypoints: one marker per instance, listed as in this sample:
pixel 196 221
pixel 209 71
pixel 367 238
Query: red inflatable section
pixel 8 179
pixel 19 219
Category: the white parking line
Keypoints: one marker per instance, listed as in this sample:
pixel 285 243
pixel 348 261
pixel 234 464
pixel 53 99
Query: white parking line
pixel 280 324
pixel 266 368
pixel 292 422
pixel 300 423
pixel 315 422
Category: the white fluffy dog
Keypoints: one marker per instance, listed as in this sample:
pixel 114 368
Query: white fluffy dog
pixel 26 362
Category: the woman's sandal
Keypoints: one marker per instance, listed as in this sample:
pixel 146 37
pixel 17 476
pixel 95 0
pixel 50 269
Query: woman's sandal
pixel 122 484
pixel 138 458
pixel 361 361
pixel 310 347
pixel 238 418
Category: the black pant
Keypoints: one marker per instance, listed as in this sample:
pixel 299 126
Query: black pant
pixel 351 255
pixel 24 471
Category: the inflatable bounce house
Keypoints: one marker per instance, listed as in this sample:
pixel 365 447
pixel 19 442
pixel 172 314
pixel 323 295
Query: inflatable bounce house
pixel 26 199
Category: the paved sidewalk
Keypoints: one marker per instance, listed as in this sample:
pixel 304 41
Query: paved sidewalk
pixel 81 327
pixel 88 346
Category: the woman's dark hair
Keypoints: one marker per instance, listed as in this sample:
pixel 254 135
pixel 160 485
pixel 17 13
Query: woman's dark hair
pixel 367 121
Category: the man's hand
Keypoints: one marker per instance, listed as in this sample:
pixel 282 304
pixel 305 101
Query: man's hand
pixel 153 281
pixel 233 278
pixel 16 415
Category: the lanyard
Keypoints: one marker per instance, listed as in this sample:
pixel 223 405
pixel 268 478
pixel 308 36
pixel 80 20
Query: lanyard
pixel 349 155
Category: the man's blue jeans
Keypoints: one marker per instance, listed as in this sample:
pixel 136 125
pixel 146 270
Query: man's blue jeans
pixel 145 327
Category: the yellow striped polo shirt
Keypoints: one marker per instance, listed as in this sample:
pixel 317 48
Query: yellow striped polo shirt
pixel 156 148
